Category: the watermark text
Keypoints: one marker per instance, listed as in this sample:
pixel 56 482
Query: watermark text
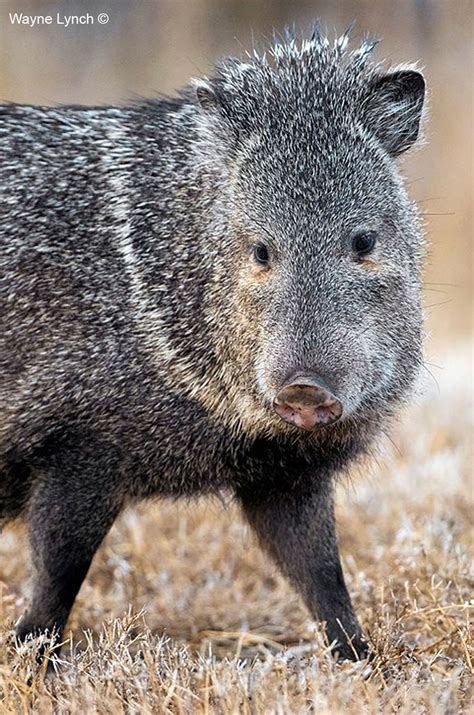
pixel 20 18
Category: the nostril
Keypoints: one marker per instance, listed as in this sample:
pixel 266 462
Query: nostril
pixel 329 411
pixel 307 403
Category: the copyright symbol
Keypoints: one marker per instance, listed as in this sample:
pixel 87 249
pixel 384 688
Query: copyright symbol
pixel 103 18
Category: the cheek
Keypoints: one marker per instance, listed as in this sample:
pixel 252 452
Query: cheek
pixel 385 294
pixel 249 298
pixel 401 301
pixel 393 341
pixel 255 296
pixel 253 291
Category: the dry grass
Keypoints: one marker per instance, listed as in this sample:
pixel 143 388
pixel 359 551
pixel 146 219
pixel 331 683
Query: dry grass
pixel 237 639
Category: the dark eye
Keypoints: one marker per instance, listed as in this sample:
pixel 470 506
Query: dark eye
pixel 260 254
pixel 363 242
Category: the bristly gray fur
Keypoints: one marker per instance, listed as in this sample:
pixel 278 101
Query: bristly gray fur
pixel 141 350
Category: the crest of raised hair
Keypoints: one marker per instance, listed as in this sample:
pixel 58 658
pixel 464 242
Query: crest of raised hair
pixel 218 291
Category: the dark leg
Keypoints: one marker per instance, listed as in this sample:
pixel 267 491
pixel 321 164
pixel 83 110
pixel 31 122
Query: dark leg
pixel 73 505
pixel 298 530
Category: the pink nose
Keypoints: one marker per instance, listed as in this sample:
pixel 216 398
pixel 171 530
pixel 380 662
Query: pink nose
pixel 306 403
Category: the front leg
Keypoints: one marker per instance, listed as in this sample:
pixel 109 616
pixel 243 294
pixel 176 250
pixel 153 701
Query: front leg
pixel 297 527
pixel 76 498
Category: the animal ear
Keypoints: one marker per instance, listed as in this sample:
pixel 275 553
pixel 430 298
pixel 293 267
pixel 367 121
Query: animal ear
pixel 206 95
pixel 394 107
pixel 215 94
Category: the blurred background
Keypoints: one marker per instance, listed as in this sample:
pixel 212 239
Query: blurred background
pixel 154 46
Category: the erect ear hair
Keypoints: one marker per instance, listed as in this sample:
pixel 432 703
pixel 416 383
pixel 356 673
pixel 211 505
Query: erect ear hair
pixel 394 107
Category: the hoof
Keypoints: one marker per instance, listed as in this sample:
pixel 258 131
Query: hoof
pixel 355 650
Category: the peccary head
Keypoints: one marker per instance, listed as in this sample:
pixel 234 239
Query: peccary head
pixel 320 264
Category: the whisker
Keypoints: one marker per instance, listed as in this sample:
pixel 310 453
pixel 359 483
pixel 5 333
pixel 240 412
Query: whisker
pixel 393 443
pixel 433 364
pixel 425 367
pixel 449 285
pixel 435 213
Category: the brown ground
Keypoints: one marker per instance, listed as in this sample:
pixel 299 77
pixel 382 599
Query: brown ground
pixel 237 639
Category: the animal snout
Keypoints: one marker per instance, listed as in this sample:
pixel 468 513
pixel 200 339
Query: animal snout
pixel 307 402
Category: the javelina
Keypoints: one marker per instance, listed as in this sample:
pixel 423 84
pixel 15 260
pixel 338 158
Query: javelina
pixel 215 292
